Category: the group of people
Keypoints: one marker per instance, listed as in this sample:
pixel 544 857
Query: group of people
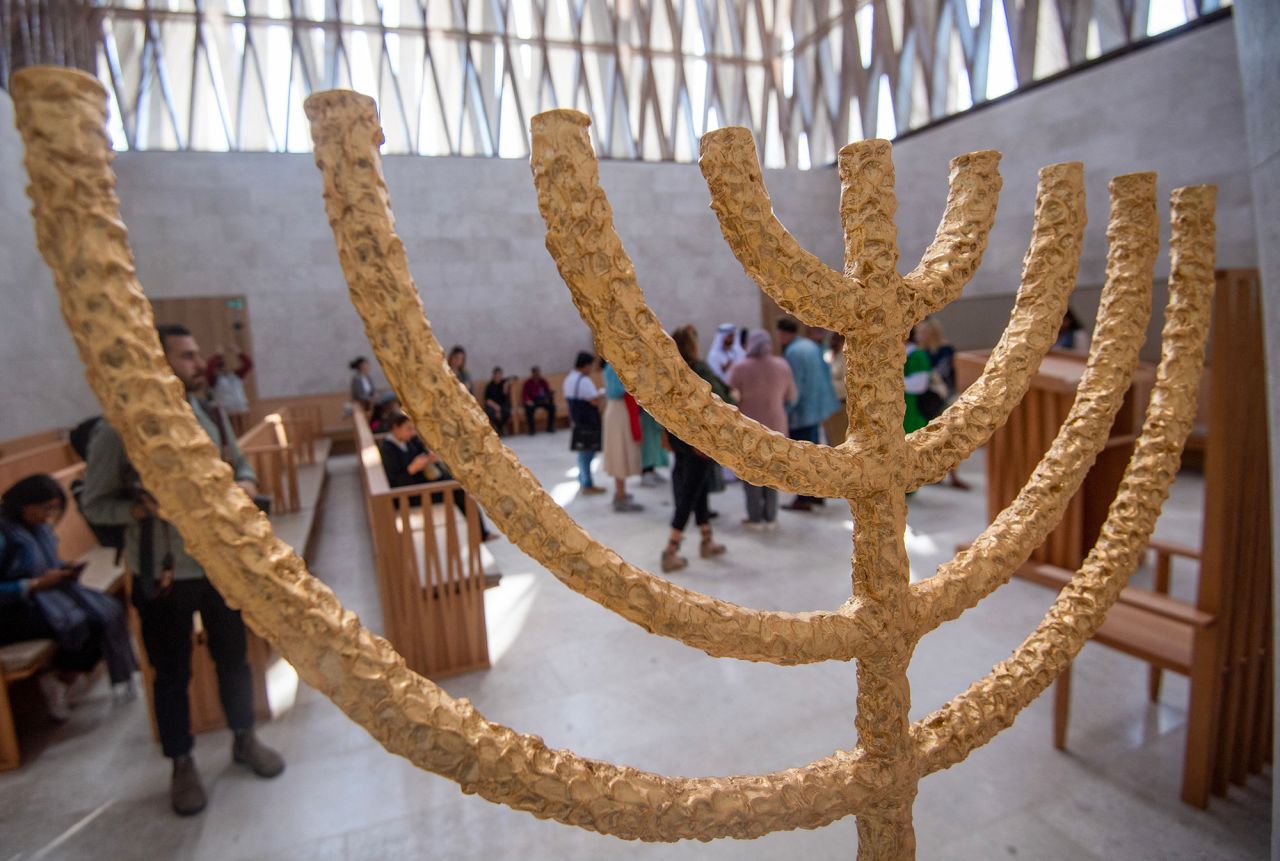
pixel 535 394
pixel 800 393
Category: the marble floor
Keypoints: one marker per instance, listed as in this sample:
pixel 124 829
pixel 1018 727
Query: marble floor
pixel 582 678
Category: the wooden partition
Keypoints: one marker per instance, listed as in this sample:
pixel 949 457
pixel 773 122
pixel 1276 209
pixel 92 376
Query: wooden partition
pixel 429 565
pixel 1016 449
pixel 1229 725
pixel 1223 640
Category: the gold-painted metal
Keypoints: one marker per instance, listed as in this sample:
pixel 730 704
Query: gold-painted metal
pixel 61 115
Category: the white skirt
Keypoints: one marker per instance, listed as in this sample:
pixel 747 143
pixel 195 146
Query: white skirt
pixel 621 450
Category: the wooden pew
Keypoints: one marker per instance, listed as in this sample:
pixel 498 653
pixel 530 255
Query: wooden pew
pixel 430 566
pixel 1016 449
pixel 19 444
pixel 47 456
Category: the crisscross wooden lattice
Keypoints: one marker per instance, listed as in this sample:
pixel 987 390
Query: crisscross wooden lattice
pixel 61 115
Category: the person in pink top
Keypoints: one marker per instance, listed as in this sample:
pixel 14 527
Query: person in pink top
pixel 764 386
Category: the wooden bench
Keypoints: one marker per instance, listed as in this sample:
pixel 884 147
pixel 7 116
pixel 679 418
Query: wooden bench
pixel 1147 624
pixel 431 566
pixel 47 456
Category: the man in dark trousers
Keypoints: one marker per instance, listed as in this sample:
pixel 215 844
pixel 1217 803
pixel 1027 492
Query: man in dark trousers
pixel 169 586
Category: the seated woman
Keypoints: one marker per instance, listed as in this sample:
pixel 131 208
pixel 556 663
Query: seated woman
pixel 41 596
pixel 407 462
pixel 497 401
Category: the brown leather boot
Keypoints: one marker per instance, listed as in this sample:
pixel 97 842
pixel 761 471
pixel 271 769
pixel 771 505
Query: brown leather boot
pixel 186 793
pixel 262 760
pixel 671 558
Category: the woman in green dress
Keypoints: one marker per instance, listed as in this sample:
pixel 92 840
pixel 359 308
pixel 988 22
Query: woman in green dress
pixel 915 383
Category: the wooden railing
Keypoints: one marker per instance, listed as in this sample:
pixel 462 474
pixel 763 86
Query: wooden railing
pixel 428 559
pixel 267 447
pixel 330 408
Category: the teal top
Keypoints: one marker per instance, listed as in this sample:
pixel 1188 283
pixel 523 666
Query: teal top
pixel 613 388
pixel 815 396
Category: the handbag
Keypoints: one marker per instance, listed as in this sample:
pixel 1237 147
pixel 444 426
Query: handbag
pixel 585 416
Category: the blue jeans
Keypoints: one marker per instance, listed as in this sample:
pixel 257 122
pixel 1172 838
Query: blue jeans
pixel 584 468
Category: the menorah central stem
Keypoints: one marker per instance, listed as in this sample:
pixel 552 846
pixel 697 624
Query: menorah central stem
pixel 881 582
pixel 881 578
pixel 874 358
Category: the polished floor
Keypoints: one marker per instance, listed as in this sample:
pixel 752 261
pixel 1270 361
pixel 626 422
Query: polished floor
pixel 582 678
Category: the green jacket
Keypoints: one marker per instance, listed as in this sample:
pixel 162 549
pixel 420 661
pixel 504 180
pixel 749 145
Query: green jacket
pixel 110 482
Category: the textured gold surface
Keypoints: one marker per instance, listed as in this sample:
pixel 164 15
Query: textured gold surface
pixel 1048 276
pixel 346 135
pixel 1122 321
pixel 972 719
pixel 61 115
pixel 593 263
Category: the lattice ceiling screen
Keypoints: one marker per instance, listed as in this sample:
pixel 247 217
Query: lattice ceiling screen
pixel 463 77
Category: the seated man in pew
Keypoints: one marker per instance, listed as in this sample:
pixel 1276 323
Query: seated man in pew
pixel 169 586
pixel 407 462
pixel 536 395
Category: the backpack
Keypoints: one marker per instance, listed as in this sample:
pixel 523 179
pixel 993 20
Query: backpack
pixel 108 535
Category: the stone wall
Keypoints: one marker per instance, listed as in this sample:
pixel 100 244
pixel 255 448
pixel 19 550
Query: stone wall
pixel 1175 107
pixel 225 223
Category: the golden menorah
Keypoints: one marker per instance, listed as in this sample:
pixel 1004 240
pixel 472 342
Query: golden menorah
pixel 62 114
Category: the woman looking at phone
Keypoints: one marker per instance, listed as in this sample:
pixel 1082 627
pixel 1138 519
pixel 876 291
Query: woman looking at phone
pixel 41 596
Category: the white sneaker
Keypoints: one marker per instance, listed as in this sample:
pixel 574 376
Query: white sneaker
pixel 123 692
pixel 649 479
pixel 78 688
pixel 770 525
pixel 754 525
pixel 55 697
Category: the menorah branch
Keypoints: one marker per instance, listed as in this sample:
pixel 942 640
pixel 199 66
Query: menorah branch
pixel 1048 276
pixel 1122 320
pixel 591 260
pixel 346 135
pixel 61 115
pixel 955 254
pixel 867 208
pixel 989 705
pixel 799 282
